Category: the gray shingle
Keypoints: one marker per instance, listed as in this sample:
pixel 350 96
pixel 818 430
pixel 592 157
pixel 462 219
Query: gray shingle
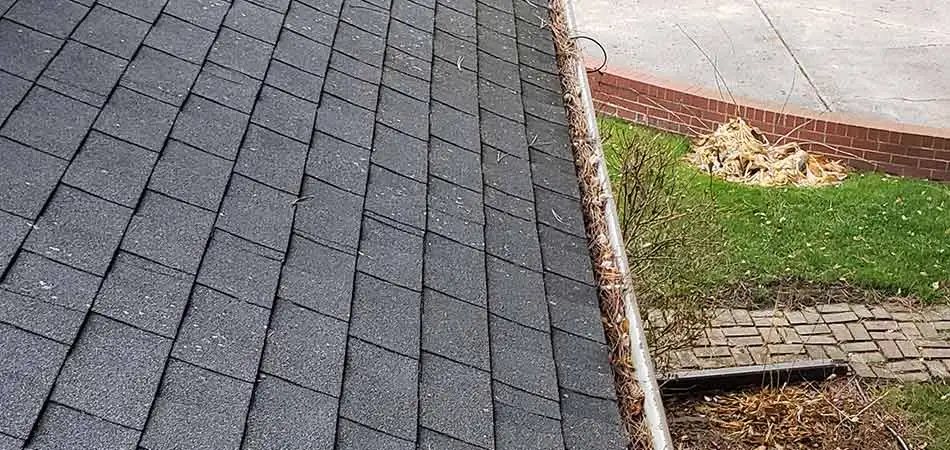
pixel 79 230
pixel 396 197
pixel 191 175
pixel 509 174
pixel 553 139
pixel 302 53
pixel 403 113
pixel 180 38
pixel 540 79
pixel 525 401
pixel 285 416
pixel 582 365
pixel 503 5
pixel 413 14
pixel 519 431
pixel 522 357
pixel 329 214
pixel 407 84
pixel 454 22
pixel 14 89
pixel 306 348
pixel 510 204
pixel 565 254
pixel 455 165
pixel 463 6
pixel 391 254
pixel 407 64
pixel 354 436
pixel 10 442
pixel 111 169
pixel 295 81
pixel 558 211
pixel 254 21
pixel 222 334
pixel 351 89
pixel 500 21
pixel 455 329
pixel 371 18
pixel 169 232
pixel 196 408
pixel 497 44
pixel 574 307
pixel 43 279
pixel 429 439
pixel 241 269
pixel 111 31
pixel 411 40
pixel 501 100
pixel 204 13
pixel 497 70
pixel 458 89
pixel 113 372
pixel 144 294
pixel 136 118
pixel 339 163
pixel 160 76
pixel 400 153
pixel 27 178
pixel 356 68
pixel 25 52
pixel 55 17
pixel 455 50
pixel 455 126
pixel 360 44
pixel 386 315
pixel 512 239
pixel 331 7
pixel 517 294
pixel 244 54
pixel 46 319
pixel 504 134
pixel 61 427
pixel 146 10
pixel 50 122
pixel 13 230
pixel 257 213
pixel 456 201
pixel 590 423
pixel 538 60
pixel 83 73
pixel 345 121
pixel 530 34
pixel 311 267
pixel 459 230
pixel 554 174
pixel 455 269
pixel 285 114
pixel 226 86
pixel 274 5
pixel 312 23
pixel 210 127
pixel 380 389
pixel 456 400
pixel 272 159
pixel 30 365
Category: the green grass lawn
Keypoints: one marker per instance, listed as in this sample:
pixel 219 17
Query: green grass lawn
pixel 872 231
pixel 928 407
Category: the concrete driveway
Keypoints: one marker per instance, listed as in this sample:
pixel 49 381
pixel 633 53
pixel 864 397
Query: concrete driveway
pixel 879 59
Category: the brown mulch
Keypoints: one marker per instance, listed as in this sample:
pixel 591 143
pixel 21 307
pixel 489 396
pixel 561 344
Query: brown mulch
pixel 795 293
pixel 840 414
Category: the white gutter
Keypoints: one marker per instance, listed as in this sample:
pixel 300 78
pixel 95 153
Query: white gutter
pixel 653 411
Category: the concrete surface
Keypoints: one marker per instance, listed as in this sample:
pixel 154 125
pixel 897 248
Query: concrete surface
pixel 878 59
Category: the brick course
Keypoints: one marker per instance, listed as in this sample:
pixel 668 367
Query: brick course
pixel 891 148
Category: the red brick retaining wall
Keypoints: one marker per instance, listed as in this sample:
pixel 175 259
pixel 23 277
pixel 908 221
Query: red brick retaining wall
pixel 863 144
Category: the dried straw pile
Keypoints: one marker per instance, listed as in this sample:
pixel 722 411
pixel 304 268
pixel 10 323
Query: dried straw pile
pixel 837 415
pixel 741 154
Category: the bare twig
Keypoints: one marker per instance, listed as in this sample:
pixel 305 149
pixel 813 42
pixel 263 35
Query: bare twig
pixel 790 90
pixel 301 199
pixel 708 59
pixel 556 217
pixel 458 63
pixel 500 156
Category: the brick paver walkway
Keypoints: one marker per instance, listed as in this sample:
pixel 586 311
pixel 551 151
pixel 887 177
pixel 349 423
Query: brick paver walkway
pixel 889 341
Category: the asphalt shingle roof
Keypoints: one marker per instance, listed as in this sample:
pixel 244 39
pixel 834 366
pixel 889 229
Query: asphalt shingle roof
pixel 276 224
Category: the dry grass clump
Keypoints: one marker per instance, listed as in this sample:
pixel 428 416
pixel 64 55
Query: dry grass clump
pixel 841 414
